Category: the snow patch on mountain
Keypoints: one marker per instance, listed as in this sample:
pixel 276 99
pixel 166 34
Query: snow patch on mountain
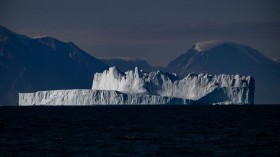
pixel 207 45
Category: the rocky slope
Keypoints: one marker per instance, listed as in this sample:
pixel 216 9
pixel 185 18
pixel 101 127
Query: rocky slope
pixel 29 65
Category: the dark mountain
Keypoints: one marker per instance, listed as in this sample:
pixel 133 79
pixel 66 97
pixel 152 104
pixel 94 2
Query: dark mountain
pixel 230 58
pixel 125 64
pixel 29 65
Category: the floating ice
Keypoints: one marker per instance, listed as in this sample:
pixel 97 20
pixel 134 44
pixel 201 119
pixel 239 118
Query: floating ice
pixel 137 87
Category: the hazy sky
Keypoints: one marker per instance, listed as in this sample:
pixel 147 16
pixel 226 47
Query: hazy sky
pixel 155 30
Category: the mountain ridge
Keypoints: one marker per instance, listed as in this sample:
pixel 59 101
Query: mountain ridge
pixel 32 64
pixel 233 58
pixel 45 63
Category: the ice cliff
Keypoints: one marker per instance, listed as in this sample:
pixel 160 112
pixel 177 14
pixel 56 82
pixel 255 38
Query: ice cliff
pixel 238 89
pixel 137 87
pixel 92 97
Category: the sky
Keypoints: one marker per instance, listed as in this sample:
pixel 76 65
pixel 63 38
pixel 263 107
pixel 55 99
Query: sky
pixel 154 30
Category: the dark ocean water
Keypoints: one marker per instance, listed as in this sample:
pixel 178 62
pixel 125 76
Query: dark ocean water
pixel 140 131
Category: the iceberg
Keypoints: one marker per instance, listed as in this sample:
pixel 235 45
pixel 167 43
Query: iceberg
pixel 93 97
pixel 138 87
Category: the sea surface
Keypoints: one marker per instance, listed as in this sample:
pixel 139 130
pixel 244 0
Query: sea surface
pixel 150 131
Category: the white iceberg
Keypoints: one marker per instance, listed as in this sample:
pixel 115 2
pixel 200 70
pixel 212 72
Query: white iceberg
pixel 137 87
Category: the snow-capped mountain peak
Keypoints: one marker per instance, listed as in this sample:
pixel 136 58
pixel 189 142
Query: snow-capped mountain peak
pixel 206 45
pixel 220 57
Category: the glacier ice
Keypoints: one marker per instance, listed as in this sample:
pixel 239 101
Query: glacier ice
pixel 137 87
pixel 194 86
pixel 93 97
